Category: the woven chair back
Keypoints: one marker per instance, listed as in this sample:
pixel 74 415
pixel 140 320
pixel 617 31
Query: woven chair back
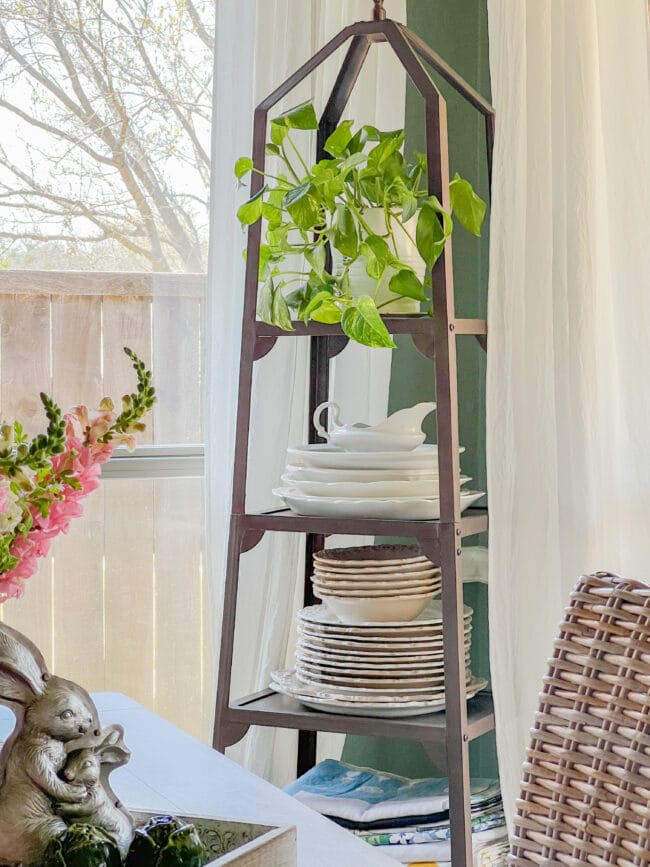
pixel 585 797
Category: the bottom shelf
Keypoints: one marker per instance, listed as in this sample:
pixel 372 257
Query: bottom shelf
pixel 268 708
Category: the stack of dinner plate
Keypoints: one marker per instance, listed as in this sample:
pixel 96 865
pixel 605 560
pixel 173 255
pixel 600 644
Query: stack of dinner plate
pixel 326 481
pixel 375 582
pixel 372 669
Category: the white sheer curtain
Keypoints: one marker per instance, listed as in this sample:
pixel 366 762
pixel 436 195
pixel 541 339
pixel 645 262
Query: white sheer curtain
pixel 568 400
pixel 259 43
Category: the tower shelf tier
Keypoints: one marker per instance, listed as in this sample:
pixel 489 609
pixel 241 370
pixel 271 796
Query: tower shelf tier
pixel 268 708
pixel 473 522
pixel 404 324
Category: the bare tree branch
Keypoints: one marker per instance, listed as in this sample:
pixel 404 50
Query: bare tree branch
pixel 113 87
pixel 201 31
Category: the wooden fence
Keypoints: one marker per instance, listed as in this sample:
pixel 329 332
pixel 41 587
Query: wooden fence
pixel 121 603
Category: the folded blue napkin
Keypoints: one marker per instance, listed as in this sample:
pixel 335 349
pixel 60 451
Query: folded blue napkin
pixel 362 797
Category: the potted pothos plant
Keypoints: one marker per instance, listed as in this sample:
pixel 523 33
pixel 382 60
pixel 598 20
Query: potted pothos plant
pixel 368 205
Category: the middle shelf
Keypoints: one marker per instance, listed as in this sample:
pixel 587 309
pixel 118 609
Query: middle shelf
pixel 472 522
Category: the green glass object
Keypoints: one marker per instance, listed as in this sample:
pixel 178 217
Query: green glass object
pixel 82 846
pixel 166 842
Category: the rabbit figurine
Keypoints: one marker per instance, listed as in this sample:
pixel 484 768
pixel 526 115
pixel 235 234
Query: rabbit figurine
pixel 52 713
pixel 90 761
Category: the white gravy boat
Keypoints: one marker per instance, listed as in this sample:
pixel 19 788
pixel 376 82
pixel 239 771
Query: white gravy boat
pixel 402 431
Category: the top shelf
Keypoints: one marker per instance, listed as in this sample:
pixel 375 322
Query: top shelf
pixel 404 324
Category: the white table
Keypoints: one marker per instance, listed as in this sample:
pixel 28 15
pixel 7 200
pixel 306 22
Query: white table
pixel 170 771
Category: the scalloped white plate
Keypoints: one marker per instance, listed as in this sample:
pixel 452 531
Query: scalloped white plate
pixel 343 652
pixel 391 591
pixel 411 706
pixel 424 488
pixel 353 664
pixel 329 457
pixel 431 616
pixel 392 574
pixel 317 474
pixel 390 509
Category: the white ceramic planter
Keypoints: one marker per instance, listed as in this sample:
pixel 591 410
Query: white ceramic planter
pixel 407 252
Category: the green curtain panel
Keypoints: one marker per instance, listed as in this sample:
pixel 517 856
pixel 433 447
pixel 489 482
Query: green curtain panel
pixel 458 32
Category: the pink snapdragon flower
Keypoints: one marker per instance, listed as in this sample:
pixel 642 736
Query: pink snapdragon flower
pixel 34 480
pixel 82 456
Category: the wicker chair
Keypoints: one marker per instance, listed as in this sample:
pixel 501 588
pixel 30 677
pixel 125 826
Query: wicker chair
pixel 585 796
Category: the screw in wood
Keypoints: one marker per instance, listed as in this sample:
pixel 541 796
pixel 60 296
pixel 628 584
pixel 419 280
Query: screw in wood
pixel 379 13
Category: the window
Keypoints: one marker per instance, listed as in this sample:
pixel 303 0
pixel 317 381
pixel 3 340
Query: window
pixel 103 205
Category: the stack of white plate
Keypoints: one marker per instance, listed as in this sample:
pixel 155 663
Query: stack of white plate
pixel 375 582
pixel 372 669
pixel 325 481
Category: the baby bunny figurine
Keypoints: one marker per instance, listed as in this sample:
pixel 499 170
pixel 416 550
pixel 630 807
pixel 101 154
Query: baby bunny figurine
pixel 90 760
pixel 52 714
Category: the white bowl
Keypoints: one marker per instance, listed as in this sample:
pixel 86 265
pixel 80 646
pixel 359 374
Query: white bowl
pixel 392 609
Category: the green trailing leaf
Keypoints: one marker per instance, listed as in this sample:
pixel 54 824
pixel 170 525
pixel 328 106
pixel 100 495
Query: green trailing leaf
pixel 386 148
pixel 303 116
pixel 297 297
pixel 346 237
pixel 466 205
pixel 280 311
pixel 297 194
pixel 409 206
pixel 377 254
pixel 352 162
pixel 265 258
pixel 328 312
pixel 272 215
pixel 337 143
pixel 306 213
pixel 277 237
pixel 320 298
pixel 279 131
pixel 265 302
pixel 272 307
pixel 316 258
pixel 405 283
pixel 251 211
pixel 433 229
pixel 243 166
pixel 392 169
pixel 276 197
pixel 362 323
pixel 303 206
